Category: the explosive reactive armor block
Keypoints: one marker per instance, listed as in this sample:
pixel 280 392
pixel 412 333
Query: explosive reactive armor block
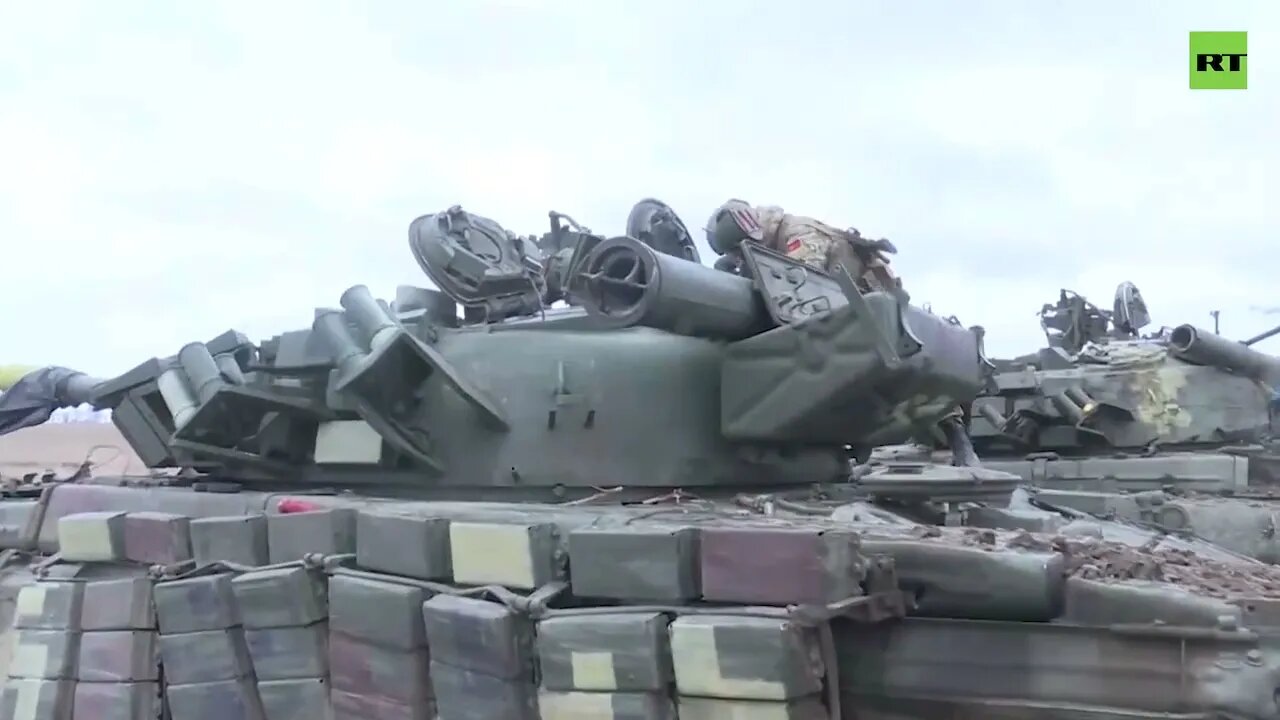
pixel 289 653
pixel 227 700
pixel 635 563
pixel 303 699
pixel 123 604
pixel 91 537
pixel 44 654
pixel 284 597
pixel 605 706
pixel 205 657
pixel 696 708
pixel 119 656
pixel 627 651
pixel 385 613
pixel 748 658
pixel 953 580
pixel 328 532
pixel 479 635
pixel 49 606
pixel 237 539
pixel 37 699
pixel 196 604
pixel 517 556
pixel 349 706
pixel 362 668
pixel 802 565
pixel 117 701
pixel 463 694
pixel 404 545
pixel 157 538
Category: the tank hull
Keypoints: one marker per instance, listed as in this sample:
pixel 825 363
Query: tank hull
pixel 1053 647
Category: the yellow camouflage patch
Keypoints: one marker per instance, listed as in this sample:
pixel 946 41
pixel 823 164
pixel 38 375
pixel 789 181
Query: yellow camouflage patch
pixel 1157 394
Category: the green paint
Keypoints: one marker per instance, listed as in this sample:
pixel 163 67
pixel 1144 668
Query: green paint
pixel 1219 61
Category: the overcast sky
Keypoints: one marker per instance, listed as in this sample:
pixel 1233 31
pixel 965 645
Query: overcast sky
pixel 169 170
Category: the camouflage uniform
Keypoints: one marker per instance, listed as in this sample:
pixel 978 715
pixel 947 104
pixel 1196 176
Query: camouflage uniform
pixel 820 245
pixel 813 242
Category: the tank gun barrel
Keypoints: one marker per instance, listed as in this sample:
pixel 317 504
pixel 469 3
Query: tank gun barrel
pixel 1200 347
pixel 1262 336
pixel 627 283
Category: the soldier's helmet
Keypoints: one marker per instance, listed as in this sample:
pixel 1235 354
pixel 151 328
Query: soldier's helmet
pixel 730 224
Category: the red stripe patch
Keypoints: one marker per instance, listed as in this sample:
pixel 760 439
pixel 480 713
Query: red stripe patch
pixel 793 245
pixel 745 219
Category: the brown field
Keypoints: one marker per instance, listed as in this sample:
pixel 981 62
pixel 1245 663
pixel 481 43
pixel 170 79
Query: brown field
pixel 61 448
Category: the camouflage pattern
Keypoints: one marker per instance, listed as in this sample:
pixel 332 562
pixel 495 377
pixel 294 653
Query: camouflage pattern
pixel 1180 411
pixel 627 652
pixel 806 240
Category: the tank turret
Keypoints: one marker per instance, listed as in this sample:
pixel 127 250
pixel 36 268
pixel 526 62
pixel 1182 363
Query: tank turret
pixel 660 373
pixel 1181 417
pixel 586 476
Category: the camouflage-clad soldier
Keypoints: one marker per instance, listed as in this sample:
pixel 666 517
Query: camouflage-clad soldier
pixel 810 241
pixel 823 246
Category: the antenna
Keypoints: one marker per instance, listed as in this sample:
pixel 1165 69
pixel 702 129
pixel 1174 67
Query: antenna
pixel 1215 314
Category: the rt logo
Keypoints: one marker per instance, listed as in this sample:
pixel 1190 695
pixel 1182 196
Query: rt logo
pixel 1219 61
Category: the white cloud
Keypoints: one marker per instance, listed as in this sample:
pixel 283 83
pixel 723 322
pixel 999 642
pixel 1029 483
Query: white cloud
pixel 171 170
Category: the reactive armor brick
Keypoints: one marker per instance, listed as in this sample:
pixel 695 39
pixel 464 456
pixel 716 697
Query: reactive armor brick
pixel 803 566
pixel 284 597
pixel 157 538
pixel 623 652
pixel 350 706
pixel 227 700
pixel 241 540
pixel 605 706
pixel 123 604
pixel 698 708
pixel 385 613
pixel 49 606
pixel 479 635
pixel 955 580
pixel 404 545
pixel 463 694
pixel 117 701
pixel 44 654
pixel 205 657
pixel 302 699
pixel 37 699
pixel 196 604
pixel 635 563
pixel 363 668
pixel 119 656
pixel 289 653
pixel 514 555
pixel 328 532
pixel 748 658
pixel 91 537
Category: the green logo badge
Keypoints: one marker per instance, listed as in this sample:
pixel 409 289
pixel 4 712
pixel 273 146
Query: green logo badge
pixel 1219 61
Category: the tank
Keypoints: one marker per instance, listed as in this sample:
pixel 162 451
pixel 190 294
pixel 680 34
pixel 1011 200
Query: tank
pixel 588 477
pixel 1174 428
